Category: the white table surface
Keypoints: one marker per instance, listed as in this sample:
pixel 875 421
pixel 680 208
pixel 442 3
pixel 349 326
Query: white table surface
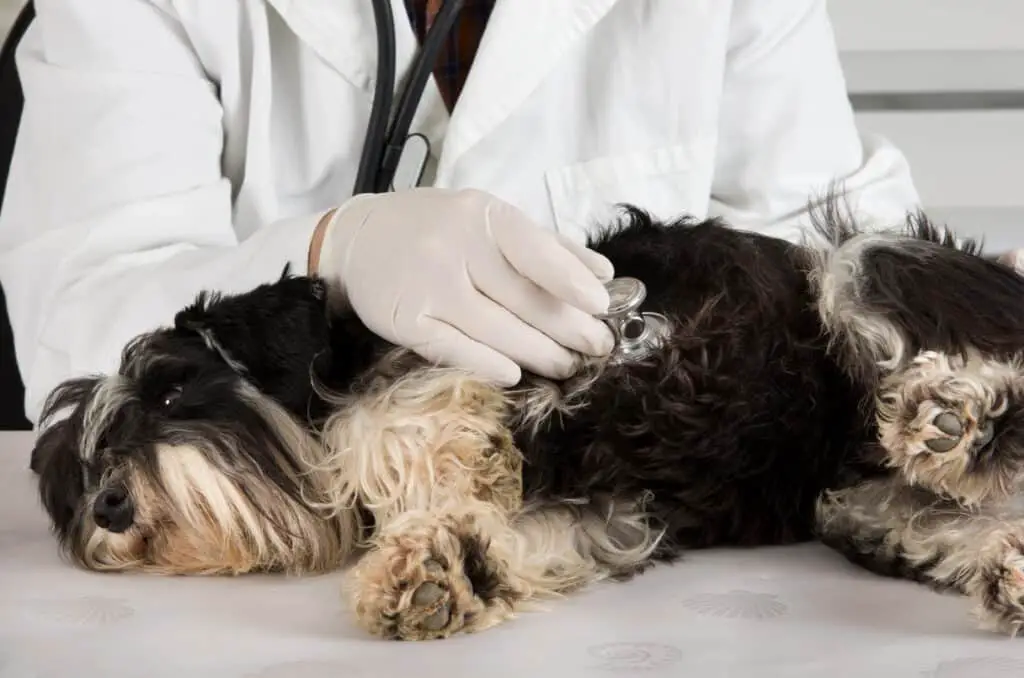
pixel 771 612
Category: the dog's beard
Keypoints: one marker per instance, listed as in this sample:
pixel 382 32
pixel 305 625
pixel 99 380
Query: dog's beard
pixel 204 506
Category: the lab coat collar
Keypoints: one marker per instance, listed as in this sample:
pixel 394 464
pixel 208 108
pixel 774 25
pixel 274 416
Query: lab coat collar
pixel 343 33
pixel 522 42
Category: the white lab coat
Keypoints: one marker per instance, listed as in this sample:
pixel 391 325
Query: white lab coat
pixel 174 145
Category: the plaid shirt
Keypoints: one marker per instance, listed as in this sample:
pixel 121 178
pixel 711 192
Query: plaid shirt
pixel 460 47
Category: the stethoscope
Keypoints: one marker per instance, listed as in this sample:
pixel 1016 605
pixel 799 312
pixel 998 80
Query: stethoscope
pixel 388 142
pixel 638 335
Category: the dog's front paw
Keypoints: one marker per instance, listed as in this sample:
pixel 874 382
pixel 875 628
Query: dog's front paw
pixel 1000 590
pixel 429 577
pixel 938 420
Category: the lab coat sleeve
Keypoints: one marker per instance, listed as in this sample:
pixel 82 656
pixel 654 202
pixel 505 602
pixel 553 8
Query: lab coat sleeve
pixel 116 212
pixel 787 131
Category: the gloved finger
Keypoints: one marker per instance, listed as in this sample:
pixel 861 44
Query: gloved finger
pixel 599 264
pixel 539 256
pixel 492 324
pixel 1014 259
pixel 566 325
pixel 449 346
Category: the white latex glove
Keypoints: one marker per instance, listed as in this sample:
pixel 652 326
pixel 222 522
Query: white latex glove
pixel 465 279
pixel 1013 259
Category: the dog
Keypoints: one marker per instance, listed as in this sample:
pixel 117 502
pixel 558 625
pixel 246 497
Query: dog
pixel 860 388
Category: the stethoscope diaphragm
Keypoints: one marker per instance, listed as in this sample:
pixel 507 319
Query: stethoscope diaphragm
pixel 638 334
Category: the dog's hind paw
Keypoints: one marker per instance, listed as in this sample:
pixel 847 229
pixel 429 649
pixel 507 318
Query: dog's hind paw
pixel 430 576
pixel 1000 594
pixel 950 430
pixel 939 418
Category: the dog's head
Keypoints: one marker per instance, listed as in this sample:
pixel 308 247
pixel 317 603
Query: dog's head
pixel 194 457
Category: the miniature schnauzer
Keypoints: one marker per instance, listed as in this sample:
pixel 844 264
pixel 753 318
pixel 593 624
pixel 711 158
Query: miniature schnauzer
pixel 861 388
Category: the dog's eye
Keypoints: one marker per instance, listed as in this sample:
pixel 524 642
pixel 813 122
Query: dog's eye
pixel 169 398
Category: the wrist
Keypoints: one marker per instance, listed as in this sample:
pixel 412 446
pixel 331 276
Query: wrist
pixel 316 242
pixel 333 235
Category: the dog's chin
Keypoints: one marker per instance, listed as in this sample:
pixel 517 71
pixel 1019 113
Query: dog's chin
pixel 198 520
pixel 188 552
pixel 106 551
pixel 206 550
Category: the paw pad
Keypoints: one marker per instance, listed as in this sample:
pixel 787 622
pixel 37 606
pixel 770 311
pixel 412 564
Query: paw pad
pixel 427 594
pixel 954 429
pixel 430 594
pixel 951 425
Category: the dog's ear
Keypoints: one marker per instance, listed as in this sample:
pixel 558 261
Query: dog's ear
pixel 61 479
pixel 318 288
pixel 270 335
pixel 54 440
pixel 199 319
pixel 56 453
pixel 61 437
pixel 240 327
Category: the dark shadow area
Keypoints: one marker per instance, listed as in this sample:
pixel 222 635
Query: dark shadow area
pixel 12 391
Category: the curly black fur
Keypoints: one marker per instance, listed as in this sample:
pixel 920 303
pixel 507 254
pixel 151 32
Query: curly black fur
pixel 739 423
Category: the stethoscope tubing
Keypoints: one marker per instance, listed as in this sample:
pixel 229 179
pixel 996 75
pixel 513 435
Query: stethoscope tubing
pixel 384 143
pixel 376 128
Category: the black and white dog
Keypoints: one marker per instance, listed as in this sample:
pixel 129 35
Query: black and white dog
pixel 865 391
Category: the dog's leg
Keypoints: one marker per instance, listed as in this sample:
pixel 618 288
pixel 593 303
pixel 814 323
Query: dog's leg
pixel 894 530
pixel 863 336
pixel 884 298
pixel 433 573
pixel 429 455
pixel 955 425
pixel 934 332
pixel 420 439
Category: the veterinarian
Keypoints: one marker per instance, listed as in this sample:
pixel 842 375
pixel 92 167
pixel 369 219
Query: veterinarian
pixel 169 146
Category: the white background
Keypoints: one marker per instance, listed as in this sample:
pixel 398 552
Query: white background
pixel 966 146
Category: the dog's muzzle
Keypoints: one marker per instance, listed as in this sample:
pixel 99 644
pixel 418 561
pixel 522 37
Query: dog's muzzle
pixel 637 334
pixel 113 510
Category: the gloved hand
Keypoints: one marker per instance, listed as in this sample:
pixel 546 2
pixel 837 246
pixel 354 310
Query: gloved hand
pixel 465 279
pixel 1014 259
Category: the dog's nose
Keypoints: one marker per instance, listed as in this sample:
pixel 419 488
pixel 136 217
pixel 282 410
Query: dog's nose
pixel 113 510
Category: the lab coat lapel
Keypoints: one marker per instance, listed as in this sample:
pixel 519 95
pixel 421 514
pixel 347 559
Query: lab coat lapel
pixel 343 33
pixel 524 38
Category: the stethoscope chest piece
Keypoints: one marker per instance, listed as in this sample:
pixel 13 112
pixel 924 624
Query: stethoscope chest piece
pixel 637 334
